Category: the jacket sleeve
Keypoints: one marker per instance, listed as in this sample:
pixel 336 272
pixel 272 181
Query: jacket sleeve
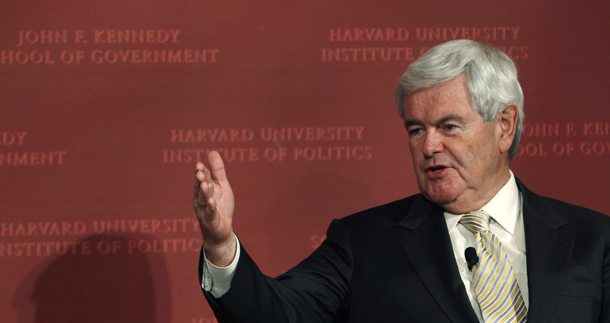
pixel 605 306
pixel 316 290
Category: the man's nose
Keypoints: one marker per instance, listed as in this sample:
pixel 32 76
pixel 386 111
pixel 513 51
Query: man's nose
pixel 432 144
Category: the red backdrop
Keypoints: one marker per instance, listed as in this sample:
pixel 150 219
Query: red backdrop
pixel 106 106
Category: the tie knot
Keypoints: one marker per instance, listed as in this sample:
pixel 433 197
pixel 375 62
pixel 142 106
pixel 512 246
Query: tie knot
pixel 476 221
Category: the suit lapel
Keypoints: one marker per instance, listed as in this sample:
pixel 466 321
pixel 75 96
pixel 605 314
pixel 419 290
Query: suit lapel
pixel 548 255
pixel 428 248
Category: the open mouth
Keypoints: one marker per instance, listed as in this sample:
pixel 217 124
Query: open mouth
pixel 436 169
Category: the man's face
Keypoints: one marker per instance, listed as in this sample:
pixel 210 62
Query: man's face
pixel 457 157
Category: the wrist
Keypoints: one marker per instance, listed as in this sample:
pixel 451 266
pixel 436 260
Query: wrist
pixel 221 254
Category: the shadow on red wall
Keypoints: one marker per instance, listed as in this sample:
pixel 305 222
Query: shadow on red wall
pixel 113 287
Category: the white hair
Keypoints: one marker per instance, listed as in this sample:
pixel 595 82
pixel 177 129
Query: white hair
pixel 491 77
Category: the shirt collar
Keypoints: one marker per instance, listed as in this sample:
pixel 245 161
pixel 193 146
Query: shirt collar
pixel 503 207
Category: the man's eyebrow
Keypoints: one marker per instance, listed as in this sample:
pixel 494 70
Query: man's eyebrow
pixel 451 117
pixel 412 122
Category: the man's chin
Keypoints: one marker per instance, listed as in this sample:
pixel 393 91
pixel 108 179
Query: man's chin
pixel 444 199
pixel 440 199
pixel 453 203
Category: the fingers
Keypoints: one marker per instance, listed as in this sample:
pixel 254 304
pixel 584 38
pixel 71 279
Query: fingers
pixel 197 188
pixel 206 180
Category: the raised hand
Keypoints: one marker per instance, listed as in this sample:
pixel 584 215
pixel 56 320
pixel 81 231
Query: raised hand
pixel 214 205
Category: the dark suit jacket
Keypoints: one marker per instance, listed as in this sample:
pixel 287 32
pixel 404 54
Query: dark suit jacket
pixel 395 263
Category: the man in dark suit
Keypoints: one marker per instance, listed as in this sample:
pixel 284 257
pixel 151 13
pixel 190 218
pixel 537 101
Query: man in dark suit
pixel 536 259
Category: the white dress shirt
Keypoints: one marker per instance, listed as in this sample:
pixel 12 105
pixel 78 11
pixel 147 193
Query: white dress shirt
pixel 506 223
pixel 506 211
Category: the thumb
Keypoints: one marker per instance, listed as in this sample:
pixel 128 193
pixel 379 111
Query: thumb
pixel 217 166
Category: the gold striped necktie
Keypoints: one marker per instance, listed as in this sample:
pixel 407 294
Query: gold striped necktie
pixel 494 282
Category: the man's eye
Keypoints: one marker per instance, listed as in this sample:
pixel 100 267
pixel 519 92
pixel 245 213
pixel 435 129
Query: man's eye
pixel 449 127
pixel 415 131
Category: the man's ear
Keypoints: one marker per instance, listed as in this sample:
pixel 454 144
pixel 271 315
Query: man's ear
pixel 506 126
